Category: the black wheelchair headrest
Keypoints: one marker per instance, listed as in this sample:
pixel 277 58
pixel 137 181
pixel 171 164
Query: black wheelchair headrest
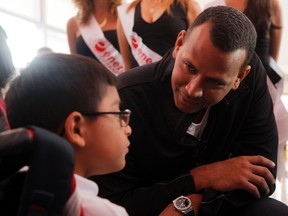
pixel 50 161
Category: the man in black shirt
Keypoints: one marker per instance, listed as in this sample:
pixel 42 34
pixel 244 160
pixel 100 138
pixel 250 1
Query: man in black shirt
pixel 203 127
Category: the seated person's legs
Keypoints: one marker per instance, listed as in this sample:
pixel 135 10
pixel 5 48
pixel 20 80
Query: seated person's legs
pixel 263 206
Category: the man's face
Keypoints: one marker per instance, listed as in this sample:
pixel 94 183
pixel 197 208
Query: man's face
pixel 203 74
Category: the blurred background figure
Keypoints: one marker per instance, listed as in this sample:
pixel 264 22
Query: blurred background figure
pixel 92 32
pixel 6 71
pixel 43 51
pixel 147 29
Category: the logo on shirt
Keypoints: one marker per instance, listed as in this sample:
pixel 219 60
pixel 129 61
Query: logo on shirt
pixel 100 46
pixel 108 56
pixel 134 41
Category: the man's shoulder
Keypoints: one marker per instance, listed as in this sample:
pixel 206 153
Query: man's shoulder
pixel 146 74
pixel 136 77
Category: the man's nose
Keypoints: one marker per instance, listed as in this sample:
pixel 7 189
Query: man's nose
pixel 194 87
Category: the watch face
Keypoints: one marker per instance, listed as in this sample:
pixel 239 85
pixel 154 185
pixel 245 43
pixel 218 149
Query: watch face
pixel 182 203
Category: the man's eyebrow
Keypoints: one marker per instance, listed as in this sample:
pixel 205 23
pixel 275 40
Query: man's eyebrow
pixel 188 62
pixel 220 81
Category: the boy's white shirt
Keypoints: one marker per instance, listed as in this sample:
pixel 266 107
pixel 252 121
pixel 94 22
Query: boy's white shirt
pixel 86 197
pixel 142 53
pixel 103 50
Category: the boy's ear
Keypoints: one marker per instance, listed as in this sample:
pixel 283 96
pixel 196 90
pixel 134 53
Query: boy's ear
pixel 74 129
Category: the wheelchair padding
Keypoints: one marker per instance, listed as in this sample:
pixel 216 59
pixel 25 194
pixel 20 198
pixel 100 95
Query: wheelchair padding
pixel 15 149
pixel 51 162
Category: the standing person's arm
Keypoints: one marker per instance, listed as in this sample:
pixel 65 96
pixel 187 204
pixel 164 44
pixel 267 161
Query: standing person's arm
pixel 193 9
pixel 276 30
pixel 72 29
pixel 124 46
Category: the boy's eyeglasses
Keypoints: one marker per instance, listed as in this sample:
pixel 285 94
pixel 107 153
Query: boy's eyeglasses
pixel 124 116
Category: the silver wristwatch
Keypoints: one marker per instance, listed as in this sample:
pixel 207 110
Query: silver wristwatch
pixel 184 205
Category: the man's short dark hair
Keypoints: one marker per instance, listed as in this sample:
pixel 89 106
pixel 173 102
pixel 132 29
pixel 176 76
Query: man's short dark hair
pixel 53 86
pixel 230 30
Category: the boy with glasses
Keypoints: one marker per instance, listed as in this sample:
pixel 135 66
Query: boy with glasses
pixel 75 97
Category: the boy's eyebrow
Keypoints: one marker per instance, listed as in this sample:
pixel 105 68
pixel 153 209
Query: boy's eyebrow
pixel 116 102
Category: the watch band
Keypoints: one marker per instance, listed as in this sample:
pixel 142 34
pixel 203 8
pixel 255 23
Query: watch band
pixel 191 213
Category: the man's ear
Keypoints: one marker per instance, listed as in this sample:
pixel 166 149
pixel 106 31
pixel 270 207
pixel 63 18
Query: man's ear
pixel 179 42
pixel 74 129
pixel 241 76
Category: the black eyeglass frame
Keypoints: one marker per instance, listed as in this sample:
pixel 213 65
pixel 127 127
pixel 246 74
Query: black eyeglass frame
pixel 124 116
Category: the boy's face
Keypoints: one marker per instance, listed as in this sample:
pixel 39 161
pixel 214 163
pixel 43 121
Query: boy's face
pixel 106 140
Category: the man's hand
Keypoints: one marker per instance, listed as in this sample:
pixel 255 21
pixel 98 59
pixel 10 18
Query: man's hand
pixel 240 173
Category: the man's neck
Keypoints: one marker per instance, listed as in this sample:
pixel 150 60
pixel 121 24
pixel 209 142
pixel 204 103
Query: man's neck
pixel 199 116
